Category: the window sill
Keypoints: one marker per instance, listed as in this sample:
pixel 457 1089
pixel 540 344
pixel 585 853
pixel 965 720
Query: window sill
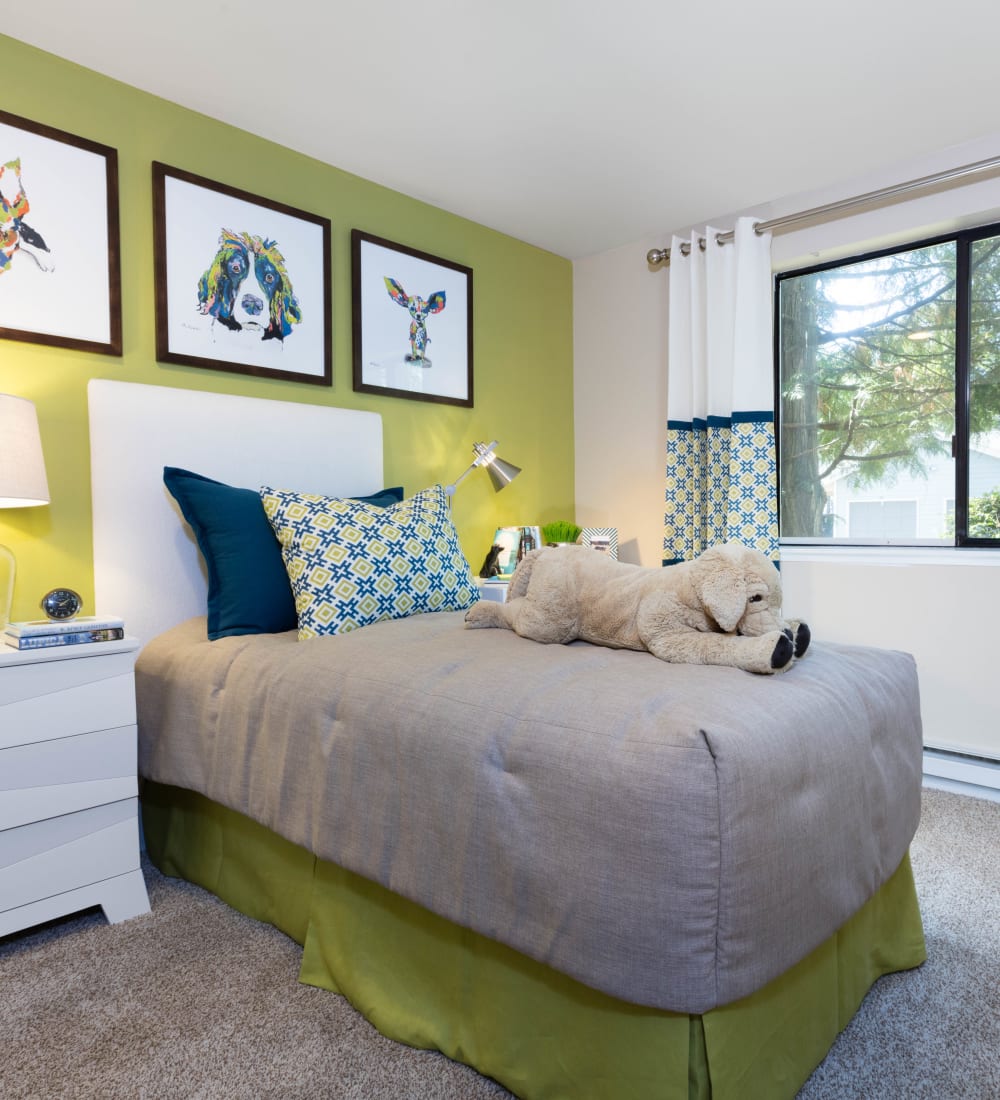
pixel 891 555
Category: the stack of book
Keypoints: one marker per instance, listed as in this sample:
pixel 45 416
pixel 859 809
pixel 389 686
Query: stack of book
pixel 42 633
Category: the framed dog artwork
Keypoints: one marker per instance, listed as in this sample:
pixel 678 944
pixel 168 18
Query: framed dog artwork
pixel 60 274
pixel 242 282
pixel 412 323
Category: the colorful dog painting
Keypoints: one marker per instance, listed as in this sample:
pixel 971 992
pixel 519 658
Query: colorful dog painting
pixel 247 284
pixel 15 234
pixel 419 310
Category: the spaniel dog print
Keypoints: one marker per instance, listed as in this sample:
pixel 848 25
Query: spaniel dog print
pixel 247 289
pixel 419 310
pixel 16 236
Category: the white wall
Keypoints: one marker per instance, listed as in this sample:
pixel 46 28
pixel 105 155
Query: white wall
pixel 938 606
pixel 934 611
pixel 620 397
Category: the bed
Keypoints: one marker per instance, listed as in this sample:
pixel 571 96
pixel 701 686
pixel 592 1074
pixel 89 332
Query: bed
pixel 582 871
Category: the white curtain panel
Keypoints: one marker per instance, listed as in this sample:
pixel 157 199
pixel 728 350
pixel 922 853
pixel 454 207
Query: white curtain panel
pixel 721 479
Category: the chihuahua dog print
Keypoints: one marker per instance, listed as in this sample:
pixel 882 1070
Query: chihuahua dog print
pixel 419 309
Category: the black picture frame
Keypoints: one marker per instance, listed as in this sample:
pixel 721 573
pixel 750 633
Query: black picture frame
pixel 242 282
pixel 60 244
pixel 426 356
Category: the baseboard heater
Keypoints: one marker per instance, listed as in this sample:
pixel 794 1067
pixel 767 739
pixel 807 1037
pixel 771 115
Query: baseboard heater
pixel 980 771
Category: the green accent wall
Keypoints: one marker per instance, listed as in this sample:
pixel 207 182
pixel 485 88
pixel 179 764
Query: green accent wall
pixel 522 326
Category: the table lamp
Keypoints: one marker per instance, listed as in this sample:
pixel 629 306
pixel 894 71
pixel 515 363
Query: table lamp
pixel 501 473
pixel 22 478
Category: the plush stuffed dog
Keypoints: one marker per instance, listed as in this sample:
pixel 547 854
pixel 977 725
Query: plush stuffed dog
pixel 723 608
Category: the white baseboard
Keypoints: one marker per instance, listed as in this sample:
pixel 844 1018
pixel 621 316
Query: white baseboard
pixel 972 775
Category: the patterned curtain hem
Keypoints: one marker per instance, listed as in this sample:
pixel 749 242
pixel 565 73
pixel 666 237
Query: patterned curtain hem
pixel 721 484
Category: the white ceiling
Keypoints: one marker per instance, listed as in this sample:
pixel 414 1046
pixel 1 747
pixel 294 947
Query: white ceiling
pixel 573 125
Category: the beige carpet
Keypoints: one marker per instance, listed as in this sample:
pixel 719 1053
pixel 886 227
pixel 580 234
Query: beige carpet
pixel 192 1000
pixel 196 1001
pixel 934 1033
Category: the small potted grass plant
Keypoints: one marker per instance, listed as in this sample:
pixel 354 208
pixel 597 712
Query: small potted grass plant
pixel 561 533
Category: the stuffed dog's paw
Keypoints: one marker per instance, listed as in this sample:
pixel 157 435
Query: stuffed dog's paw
pixel 799 634
pixel 783 652
pixel 485 613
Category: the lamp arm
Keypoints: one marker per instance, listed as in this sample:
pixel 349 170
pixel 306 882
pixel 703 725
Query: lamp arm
pixel 450 489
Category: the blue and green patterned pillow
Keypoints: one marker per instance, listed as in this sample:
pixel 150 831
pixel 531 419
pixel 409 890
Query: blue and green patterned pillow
pixel 248 589
pixel 351 564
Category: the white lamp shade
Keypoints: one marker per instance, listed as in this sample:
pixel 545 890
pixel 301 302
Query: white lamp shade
pixel 22 467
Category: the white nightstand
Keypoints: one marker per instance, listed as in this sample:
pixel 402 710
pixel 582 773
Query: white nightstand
pixel 69 830
pixel 493 589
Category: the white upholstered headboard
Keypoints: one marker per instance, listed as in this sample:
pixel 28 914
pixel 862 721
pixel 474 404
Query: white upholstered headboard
pixel 147 567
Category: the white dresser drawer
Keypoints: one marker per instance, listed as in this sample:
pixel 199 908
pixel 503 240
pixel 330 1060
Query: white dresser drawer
pixel 66 774
pixel 61 698
pixel 63 853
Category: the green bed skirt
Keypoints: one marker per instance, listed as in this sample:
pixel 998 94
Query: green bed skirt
pixel 429 983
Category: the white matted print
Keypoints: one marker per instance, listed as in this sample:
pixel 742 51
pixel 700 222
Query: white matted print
pixel 60 277
pixel 604 539
pixel 412 323
pixel 242 282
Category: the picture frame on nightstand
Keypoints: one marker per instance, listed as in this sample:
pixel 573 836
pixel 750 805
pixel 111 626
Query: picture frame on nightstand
pixel 604 539
pixel 509 541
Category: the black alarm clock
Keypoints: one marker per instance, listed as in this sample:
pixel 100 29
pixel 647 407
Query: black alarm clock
pixel 61 604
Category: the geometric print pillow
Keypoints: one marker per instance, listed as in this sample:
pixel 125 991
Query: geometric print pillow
pixel 351 564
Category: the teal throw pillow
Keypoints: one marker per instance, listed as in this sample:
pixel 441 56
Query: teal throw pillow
pixel 351 564
pixel 248 589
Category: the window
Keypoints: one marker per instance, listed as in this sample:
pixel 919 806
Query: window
pixel 888 406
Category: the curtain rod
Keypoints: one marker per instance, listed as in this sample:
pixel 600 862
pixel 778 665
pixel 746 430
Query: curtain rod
pixel 661 255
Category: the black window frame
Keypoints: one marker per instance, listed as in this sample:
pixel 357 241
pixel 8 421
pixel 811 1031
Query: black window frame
pixel 964 241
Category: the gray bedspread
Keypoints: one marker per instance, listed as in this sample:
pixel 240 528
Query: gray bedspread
pixel 673 835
